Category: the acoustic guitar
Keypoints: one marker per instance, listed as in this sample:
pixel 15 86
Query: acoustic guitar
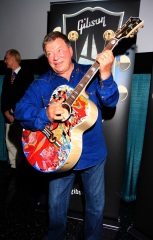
pixel 58 147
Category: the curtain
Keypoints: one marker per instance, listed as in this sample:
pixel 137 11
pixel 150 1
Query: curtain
pixel 135 135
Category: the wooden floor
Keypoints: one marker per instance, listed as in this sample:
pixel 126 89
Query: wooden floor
pixel 23 213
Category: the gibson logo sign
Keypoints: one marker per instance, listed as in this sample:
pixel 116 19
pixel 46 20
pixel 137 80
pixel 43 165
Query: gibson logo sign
pixel 85 23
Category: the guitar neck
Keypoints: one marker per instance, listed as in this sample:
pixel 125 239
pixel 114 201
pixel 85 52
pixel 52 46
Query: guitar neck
pixel 88 76
pixel 83 83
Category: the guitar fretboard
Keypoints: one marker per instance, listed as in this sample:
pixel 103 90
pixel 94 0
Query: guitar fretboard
pixel 88 76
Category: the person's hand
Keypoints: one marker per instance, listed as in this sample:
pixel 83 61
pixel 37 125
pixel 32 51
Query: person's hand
pixel 9 116
pixel 105 59
pixel 55 111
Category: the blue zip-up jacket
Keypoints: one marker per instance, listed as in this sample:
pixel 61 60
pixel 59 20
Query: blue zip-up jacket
pixel 31 109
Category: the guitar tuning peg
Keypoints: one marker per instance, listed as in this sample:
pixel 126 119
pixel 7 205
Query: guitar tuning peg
pixel 108 34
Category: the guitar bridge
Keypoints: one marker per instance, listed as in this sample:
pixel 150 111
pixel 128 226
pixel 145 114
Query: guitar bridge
pixel 49 134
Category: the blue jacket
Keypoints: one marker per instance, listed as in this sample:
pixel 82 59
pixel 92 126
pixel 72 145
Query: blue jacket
pixel 31 109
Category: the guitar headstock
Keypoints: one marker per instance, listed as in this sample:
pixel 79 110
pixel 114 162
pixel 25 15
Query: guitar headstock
pixel 129 28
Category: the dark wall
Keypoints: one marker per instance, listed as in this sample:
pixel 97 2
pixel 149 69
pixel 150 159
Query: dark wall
pixel 143 63
pixel 37 66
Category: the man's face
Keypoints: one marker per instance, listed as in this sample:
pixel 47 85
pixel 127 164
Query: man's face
pixel 9 60
pixel 59 56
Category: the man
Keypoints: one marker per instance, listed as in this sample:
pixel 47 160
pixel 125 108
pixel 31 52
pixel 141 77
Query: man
pixel 35 112
pixel 16 81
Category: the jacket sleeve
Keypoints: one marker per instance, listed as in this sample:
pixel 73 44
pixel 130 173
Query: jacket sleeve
pixel 31 109
pixel 108 92
pixel 5 95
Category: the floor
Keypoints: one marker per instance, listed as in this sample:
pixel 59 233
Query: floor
pixel 23 209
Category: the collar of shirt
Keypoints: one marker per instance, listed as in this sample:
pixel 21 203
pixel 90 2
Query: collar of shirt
pixel 17 70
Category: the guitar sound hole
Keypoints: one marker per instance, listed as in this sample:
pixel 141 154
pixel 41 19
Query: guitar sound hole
pixel 67 112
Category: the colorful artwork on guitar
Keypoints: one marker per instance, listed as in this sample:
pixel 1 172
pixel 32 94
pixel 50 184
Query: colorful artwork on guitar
pixel 48 151
pixel 58 147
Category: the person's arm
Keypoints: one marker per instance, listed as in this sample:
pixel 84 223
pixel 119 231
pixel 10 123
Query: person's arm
pixel 107 88
pixel 31 109
pixel 6 102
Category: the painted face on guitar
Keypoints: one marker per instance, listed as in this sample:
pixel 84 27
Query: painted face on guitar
pixel 59 56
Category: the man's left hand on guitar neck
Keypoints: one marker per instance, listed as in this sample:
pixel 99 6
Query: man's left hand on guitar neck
pixel 105 59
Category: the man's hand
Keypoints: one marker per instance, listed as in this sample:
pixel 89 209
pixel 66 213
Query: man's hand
pixel 55 111
pixel 105 59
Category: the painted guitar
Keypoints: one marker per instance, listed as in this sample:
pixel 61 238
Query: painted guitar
pixel 58 147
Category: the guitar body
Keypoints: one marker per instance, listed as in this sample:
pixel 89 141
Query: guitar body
pixel 62 149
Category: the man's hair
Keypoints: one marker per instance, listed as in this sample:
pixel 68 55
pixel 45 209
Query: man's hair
pixel 15 53
pixel 53 36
